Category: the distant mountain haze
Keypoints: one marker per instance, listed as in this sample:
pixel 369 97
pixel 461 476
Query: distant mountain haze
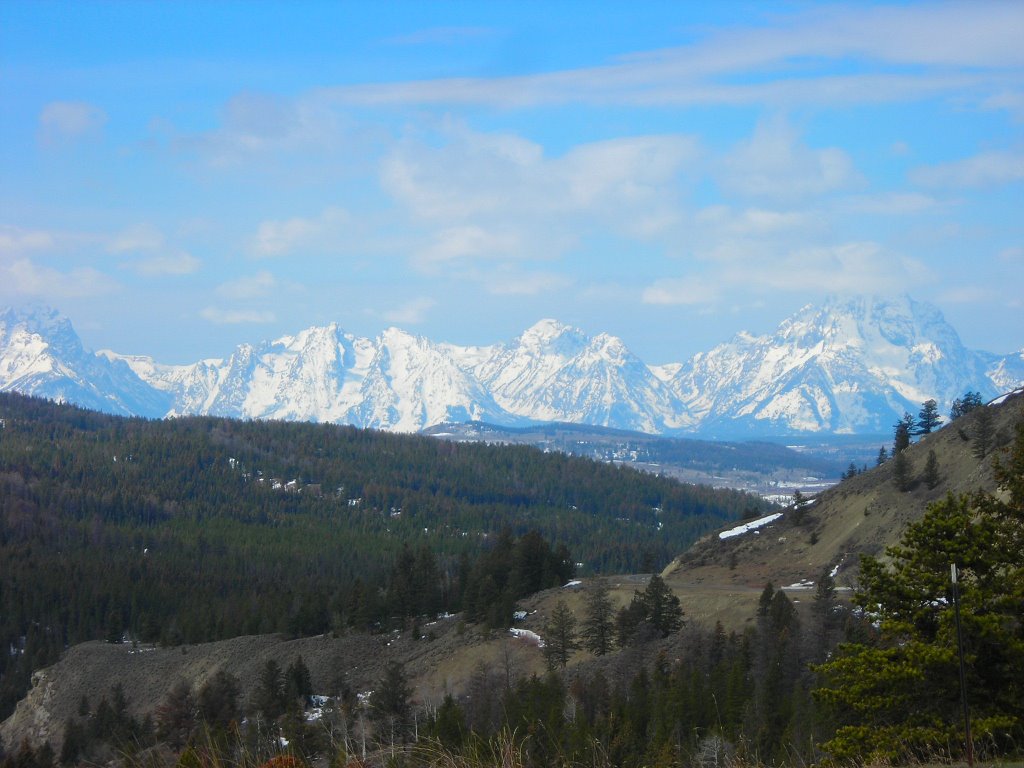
pixel 848 366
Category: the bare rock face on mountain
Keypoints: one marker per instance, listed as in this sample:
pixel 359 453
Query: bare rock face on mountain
pixel 849 366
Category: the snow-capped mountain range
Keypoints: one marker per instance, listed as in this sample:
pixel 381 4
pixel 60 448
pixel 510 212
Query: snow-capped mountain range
pixel 849 366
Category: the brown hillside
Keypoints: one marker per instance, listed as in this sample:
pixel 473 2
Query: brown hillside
pixel 863 515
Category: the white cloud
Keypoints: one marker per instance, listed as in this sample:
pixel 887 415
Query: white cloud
pixel 750 271
pixel 983 170
pixel 222 316
pixel 18 240
pixel 855 267
pixel 411 313
pixel 141 237
pixel 173 263
pixel 274 238
pixel 249 287
pixel 528 284
pixel 1011 101
pixel 254 124
pixel 478 173
pixel 23 277
pixel 889 203
pixel 464 242
pixel 910 52
pixel 1012 254
pixel 159 260
pixel 966 294
pixel 751 221
pixel 280 237
pixel 683 290
pixel 497 197
pixel 773 163
pixel 63 122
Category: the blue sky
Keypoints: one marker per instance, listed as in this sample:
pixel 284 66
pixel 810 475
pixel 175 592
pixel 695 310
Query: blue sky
pixel 181 177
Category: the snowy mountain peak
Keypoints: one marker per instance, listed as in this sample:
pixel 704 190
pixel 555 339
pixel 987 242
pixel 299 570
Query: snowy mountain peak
pixel 40 354
pixel 552 336
pixel 851 364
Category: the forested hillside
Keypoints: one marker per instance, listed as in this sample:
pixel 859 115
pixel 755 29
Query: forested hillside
pixel 197 529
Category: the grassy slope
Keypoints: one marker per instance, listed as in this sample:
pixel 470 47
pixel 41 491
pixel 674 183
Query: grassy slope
pixel 863 515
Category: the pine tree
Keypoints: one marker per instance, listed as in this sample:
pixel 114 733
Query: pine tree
pixel 449 723
pixel 269 697
pixel 560 636
pixel 297 681
pixel 391 702
pixel 984 431
pixel 883 457
pixel 176 716
pixel 901 434
pixel 218 700
pixel 928 417
pixel 661 608
pixel 964 405
pixel 764 602
pixel 901 471
pixel 598 628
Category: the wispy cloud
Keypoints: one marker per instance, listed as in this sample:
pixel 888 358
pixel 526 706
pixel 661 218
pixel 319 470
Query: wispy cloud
pixel 164 264
pixel 967 294
pixel 526 284
pixel 750 221
pixel 255 124
pixel 140 237
pixel 280 237
pixel 715 69
pixel 852 267
pixel 467 242
pixel 983 170
pixel 64 122
pixel 774 163
pixel 683 290
pixel 1012 255
pixel 248 287
pixel 410 313
pixel 20 240
pixel 22 277
pixel 496 197
pixel 889 203
pixel 152 255
pixel 222 316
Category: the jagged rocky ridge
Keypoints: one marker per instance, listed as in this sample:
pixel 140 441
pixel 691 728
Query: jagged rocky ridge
pixel 849 366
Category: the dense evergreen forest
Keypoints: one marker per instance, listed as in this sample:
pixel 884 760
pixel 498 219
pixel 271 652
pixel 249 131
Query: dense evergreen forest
pixel 195 529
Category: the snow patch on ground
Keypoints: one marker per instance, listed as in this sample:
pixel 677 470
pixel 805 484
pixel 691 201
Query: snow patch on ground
pixel 527 635
pixel 800 585
pixel 749 526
